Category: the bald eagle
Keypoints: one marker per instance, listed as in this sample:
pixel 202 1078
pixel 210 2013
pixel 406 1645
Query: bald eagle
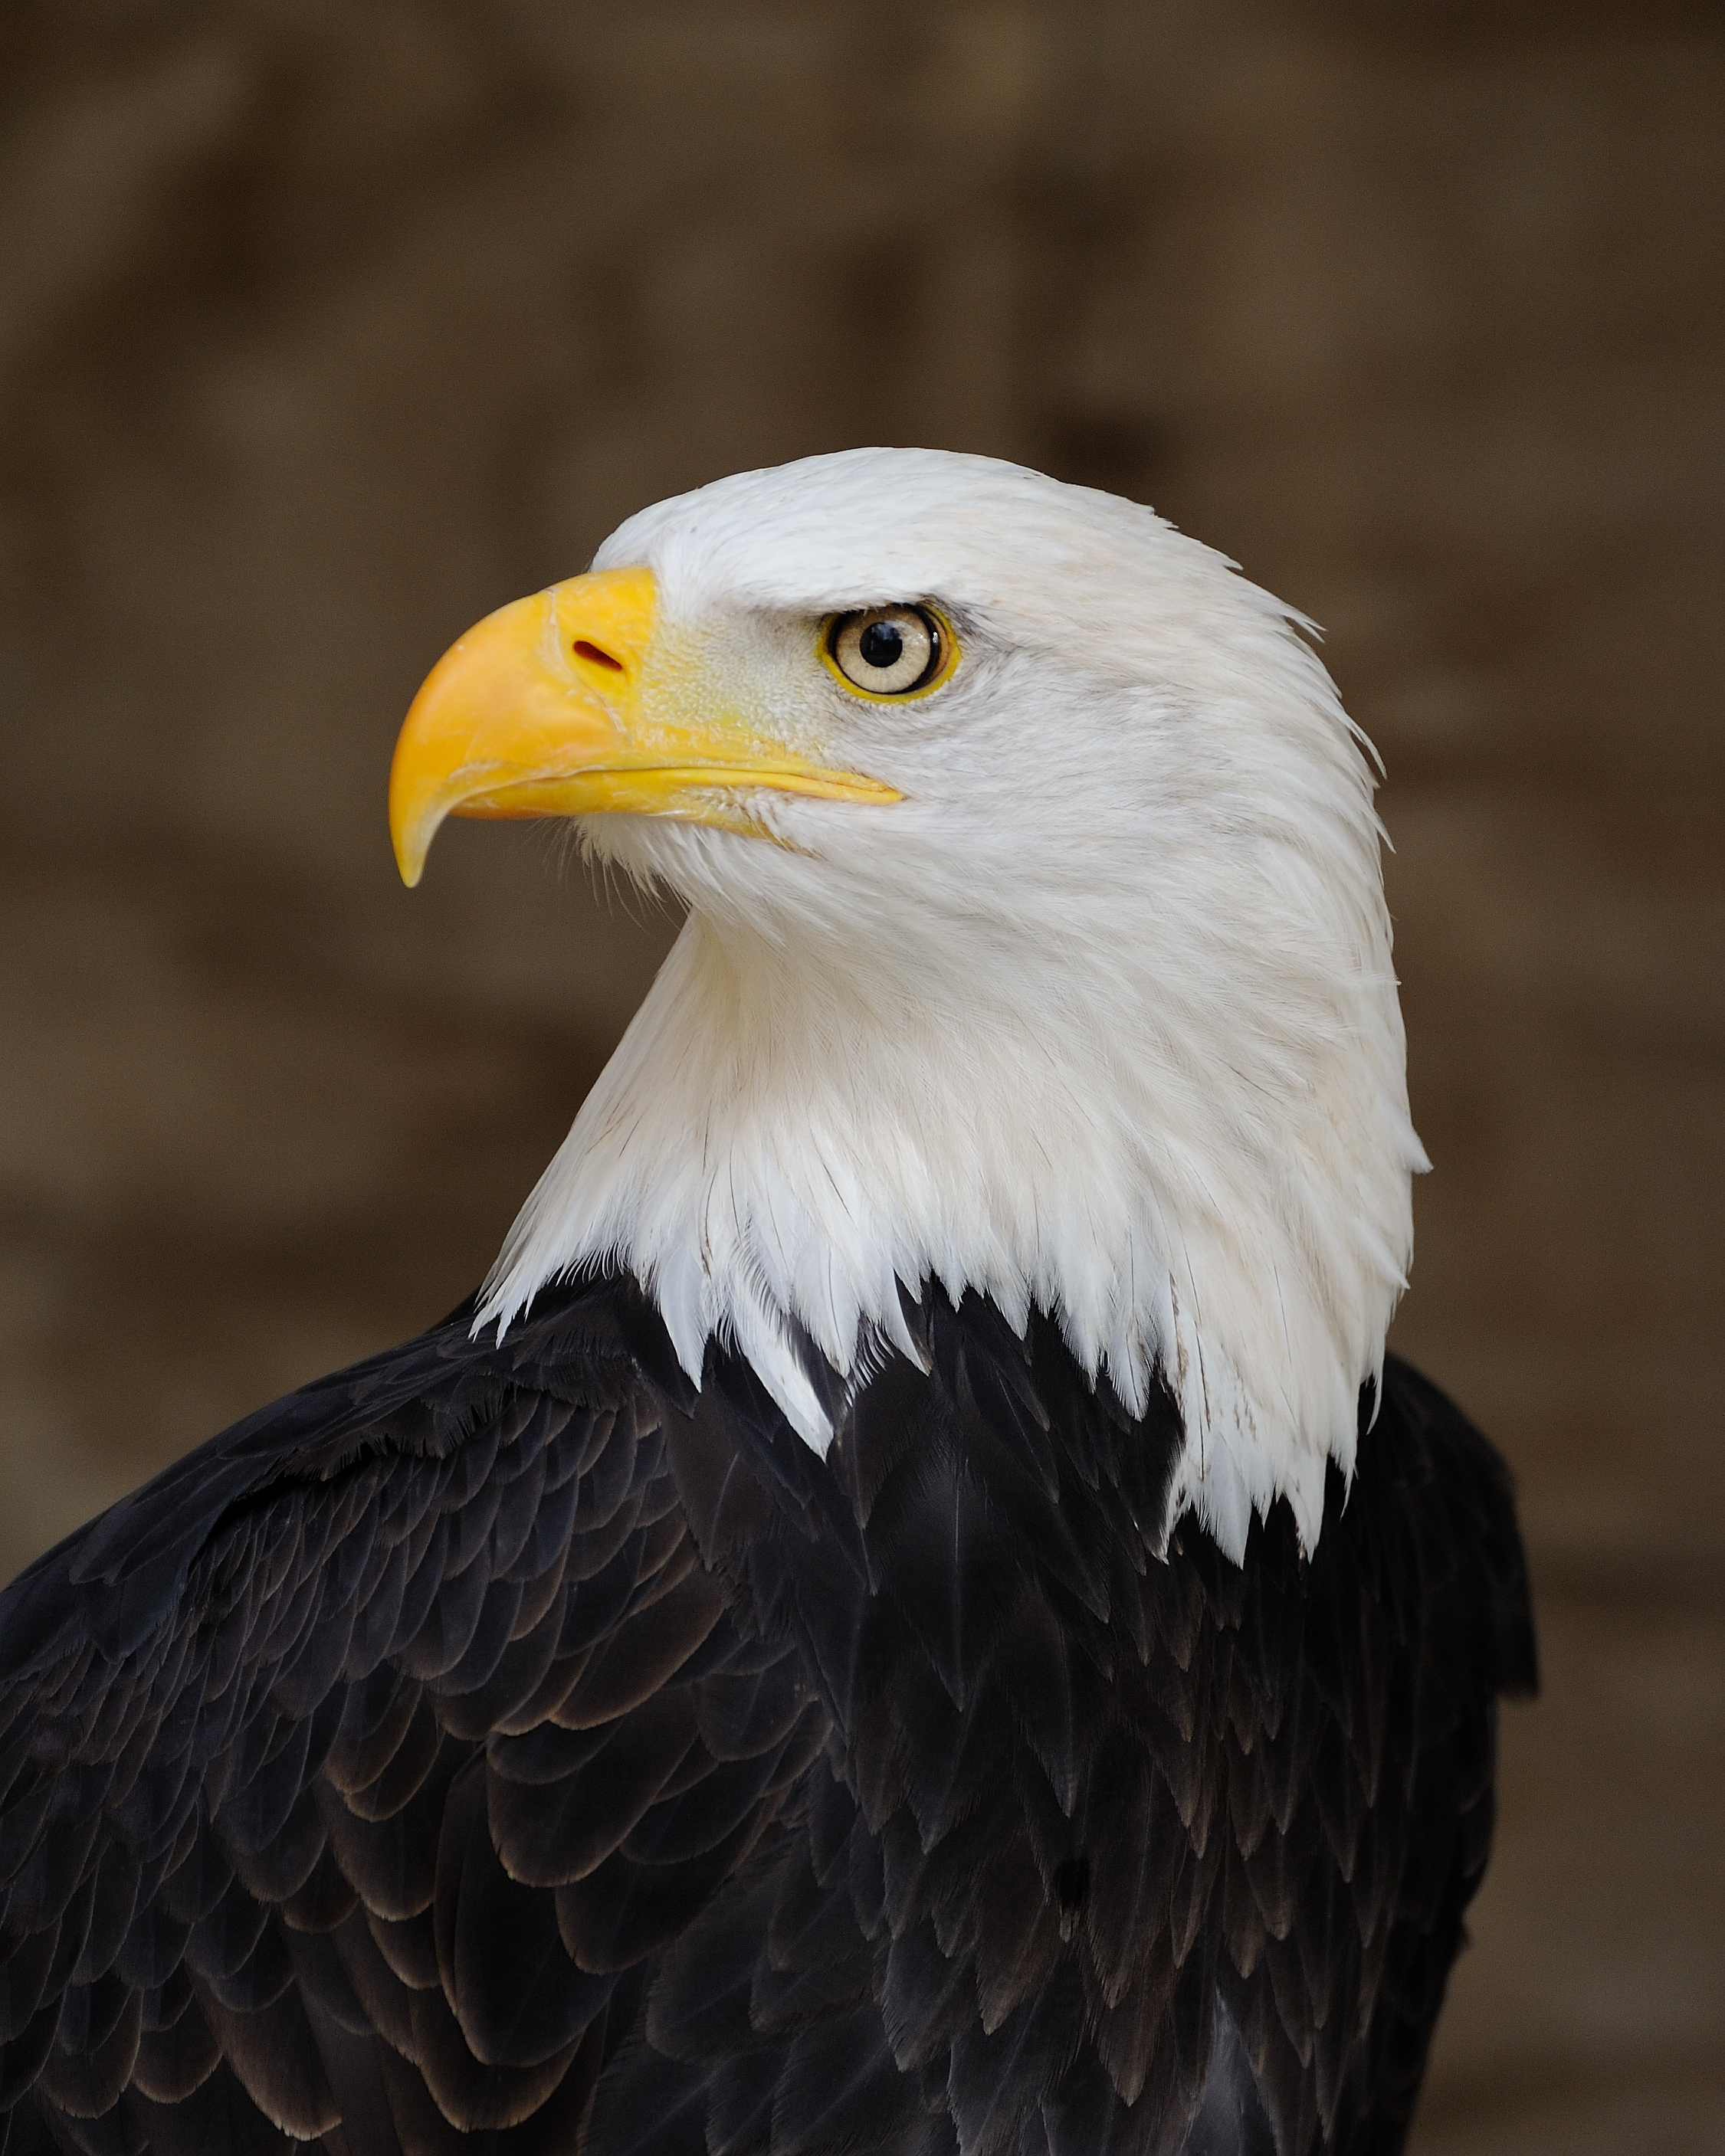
pixel 913 1613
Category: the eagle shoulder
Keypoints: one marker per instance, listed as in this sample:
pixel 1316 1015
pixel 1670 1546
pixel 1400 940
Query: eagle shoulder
pixel 353 1767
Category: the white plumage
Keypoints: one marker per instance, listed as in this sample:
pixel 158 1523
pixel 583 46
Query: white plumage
pixel 1099 1017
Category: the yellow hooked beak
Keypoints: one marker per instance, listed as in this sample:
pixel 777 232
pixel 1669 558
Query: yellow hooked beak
pixel 547 708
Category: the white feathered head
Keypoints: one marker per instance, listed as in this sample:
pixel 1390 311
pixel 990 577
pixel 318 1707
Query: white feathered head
pixel 1036 944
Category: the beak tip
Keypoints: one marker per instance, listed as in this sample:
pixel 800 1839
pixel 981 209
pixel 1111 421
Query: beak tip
pixel 410 848
pixel 414 819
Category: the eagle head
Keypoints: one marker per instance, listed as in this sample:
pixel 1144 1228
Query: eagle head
pixel 1036 946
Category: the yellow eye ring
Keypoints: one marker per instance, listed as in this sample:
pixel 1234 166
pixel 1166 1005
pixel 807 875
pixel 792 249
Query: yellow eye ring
pixel 890 654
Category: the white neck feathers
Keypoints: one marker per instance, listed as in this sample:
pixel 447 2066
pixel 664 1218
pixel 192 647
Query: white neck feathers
pixel 1101 1019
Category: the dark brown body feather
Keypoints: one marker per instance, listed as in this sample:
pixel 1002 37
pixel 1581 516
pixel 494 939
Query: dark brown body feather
pixel 511 1747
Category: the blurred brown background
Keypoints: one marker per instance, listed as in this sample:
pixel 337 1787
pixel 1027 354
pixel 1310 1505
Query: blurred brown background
pixel 326 326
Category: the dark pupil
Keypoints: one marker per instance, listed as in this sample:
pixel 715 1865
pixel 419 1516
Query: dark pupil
pixel 881 644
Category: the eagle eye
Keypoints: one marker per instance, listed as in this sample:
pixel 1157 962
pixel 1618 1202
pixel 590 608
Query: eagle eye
pixel 887 651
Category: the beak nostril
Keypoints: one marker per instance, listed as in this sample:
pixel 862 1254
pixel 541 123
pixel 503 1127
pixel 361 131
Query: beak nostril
pixel 597 653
